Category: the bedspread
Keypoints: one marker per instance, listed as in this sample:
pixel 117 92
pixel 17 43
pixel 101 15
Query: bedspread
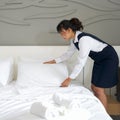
pixel 15 103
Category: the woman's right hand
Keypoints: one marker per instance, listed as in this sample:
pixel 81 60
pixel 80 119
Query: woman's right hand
pixel 50 62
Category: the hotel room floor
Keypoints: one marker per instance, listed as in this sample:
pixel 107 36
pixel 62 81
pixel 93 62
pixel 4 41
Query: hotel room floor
pixel 113 106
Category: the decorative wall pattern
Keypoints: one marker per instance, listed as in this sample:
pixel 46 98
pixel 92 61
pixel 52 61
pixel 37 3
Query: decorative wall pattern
pixel 33 22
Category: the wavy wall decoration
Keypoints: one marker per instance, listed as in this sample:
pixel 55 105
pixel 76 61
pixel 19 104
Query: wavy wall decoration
pixel 94 5
pixel 34 21
pixel 11 21
pixel 51 15
pixel 116 2
pixel 19 4
pixel 100 18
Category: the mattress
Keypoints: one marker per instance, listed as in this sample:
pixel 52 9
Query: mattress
pixel 15 103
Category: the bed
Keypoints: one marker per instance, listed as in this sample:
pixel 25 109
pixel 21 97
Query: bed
pixel 27 83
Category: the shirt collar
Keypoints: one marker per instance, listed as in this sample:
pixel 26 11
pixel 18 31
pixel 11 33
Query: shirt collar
pixel 76 36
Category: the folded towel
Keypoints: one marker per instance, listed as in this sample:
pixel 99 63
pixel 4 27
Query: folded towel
pixel 64 100
pixel 44 110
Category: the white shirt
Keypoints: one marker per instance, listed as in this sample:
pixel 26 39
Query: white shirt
pixel 86 44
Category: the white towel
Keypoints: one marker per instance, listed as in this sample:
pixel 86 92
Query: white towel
pixel 64 100
pixel 74 107
pixel 44 110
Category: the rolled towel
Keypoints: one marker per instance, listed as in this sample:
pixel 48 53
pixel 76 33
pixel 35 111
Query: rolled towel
pixel 44 110
pixel 61 99
pixel 64 100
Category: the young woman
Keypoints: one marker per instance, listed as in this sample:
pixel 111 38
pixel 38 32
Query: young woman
pixel 105 69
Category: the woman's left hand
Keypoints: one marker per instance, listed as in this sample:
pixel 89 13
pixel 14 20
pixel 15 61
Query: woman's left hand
pixel 66 82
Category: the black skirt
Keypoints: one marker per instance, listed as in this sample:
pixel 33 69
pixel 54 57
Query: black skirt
pixel 105 69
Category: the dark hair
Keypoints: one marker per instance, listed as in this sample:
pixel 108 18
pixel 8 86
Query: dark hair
pixel 75 24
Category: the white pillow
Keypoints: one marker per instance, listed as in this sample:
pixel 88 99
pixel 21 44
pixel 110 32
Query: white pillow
pixel 37 74
pixel 6 70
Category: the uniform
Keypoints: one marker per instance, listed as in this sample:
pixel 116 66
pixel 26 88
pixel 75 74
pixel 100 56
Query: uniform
pixel 105 69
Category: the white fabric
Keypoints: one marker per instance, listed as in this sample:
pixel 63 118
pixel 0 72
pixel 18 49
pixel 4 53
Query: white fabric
pixel 86 44
pixel 72 102
pixel 38 74
pixel 64 100
pixel 6 70
pixel 44 110
pixel 76 114
pixel 61 99
pixel 15 106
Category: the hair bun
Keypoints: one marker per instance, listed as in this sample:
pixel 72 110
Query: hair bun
pixel 76 24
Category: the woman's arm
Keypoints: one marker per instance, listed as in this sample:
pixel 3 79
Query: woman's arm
pixel 85 46
pixel 63 57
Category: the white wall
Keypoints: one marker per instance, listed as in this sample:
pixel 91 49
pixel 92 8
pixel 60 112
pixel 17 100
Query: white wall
pixel 33 22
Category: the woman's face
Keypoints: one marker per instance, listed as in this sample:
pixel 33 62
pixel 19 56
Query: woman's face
pixel 67 34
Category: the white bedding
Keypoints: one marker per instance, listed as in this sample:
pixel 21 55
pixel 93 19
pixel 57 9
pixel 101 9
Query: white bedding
pixel 15 103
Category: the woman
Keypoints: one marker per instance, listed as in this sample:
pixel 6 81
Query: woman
pixel 105 69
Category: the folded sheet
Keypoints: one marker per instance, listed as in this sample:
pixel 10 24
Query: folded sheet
pixel 44 110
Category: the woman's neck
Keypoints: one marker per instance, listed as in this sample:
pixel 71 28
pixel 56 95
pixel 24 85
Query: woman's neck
pixel 73 35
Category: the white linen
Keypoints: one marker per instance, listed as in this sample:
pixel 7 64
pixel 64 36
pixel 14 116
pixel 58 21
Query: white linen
pixel 62 100
pixel 65 100
pixel 76 114
pixel 71 102
pixel 6 70
pixel 37 74
pixel 16 106
pixel 44 110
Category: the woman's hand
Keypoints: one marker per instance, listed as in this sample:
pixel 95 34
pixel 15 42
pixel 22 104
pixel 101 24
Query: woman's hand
pixel 66 82
pixel 50 62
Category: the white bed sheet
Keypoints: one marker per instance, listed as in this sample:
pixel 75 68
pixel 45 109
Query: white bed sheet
pixel 15 103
